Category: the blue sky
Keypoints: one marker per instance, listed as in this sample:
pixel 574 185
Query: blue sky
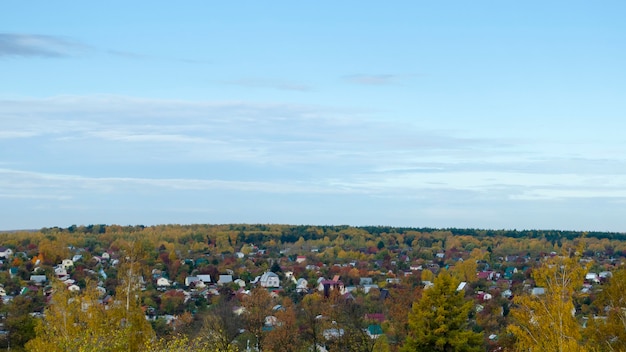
pixel 484 114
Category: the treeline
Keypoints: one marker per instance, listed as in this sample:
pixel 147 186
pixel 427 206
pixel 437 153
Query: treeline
pixel 291 233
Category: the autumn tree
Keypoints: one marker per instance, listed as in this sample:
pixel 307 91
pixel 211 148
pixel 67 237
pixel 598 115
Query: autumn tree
pixel 397 305
pixel 348 319
pixel 609 334
pixel 465 270
pixel 19 324
pixel 438 321
pixel 547 322
pixel 313 307
pixel 180 343
pixel 258 305
pixel 221 326
pixel 80 322
pixel 283 336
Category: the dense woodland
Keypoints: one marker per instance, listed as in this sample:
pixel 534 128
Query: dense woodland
pixel 338 288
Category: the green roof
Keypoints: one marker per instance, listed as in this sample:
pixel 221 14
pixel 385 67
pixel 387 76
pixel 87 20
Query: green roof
pixel 375 329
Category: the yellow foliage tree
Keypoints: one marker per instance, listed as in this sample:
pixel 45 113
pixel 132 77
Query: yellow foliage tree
pixel 547 322
pixel 609 334
pixel 465 270
pixel 80 322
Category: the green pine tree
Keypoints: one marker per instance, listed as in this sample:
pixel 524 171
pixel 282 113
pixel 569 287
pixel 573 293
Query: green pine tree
pixel 439 320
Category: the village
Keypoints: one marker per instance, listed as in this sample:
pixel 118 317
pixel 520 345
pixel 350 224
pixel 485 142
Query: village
pixel 176 285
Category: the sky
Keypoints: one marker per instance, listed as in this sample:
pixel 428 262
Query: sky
pixel 467 114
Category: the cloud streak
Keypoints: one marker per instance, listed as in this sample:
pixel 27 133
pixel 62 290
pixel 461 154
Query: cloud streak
pixel 270 83
pixel 374 79
pixel 35 182
pixel 37 45
pixel 78 148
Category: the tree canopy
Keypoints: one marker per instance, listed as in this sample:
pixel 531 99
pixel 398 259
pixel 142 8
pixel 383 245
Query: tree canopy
pixel 438 321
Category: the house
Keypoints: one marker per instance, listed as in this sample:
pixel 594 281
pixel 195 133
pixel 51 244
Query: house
pixel 5 252
pixel 300 259
pixel 225 279
pixel 374 331
pixel 240 283
pixel 328 285
pixel 61 272
pixel 509 271
pixel 461 286
pixel 206 278
pixel 38 279
pixel 536 291
pixel 393 280
pixel 289 276
pixel 483 296
pixel 269 279
pixel 163 282
pixel 592 277
pixel 485 275
pixel 332 333
pixel 191 280
pixel 302 285
pixel 67 263
pixel 365 281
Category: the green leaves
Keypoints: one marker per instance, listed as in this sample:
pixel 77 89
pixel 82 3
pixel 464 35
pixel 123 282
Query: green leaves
pixel 439 320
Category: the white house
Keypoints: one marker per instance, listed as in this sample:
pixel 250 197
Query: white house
pixel 593 277
pixel 269 279
pixel 302 285
pixel 163 282
pixel 204 278
pixel 60 271
pixel 38 279
pixel 536 291
pixel 605 274
pixel 67 263
pixel 5 252
pixel 191 279
pixel 225 279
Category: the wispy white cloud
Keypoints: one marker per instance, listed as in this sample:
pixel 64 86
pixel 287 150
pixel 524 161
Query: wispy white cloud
pixel 376 79
pixel 127 136
pixel 36 45
pixel 125 54
pixel 17 134
pixel 269 83
pixel 278 149
pixel 27 184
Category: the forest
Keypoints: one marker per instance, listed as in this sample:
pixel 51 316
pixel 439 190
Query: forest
pixel 269 287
